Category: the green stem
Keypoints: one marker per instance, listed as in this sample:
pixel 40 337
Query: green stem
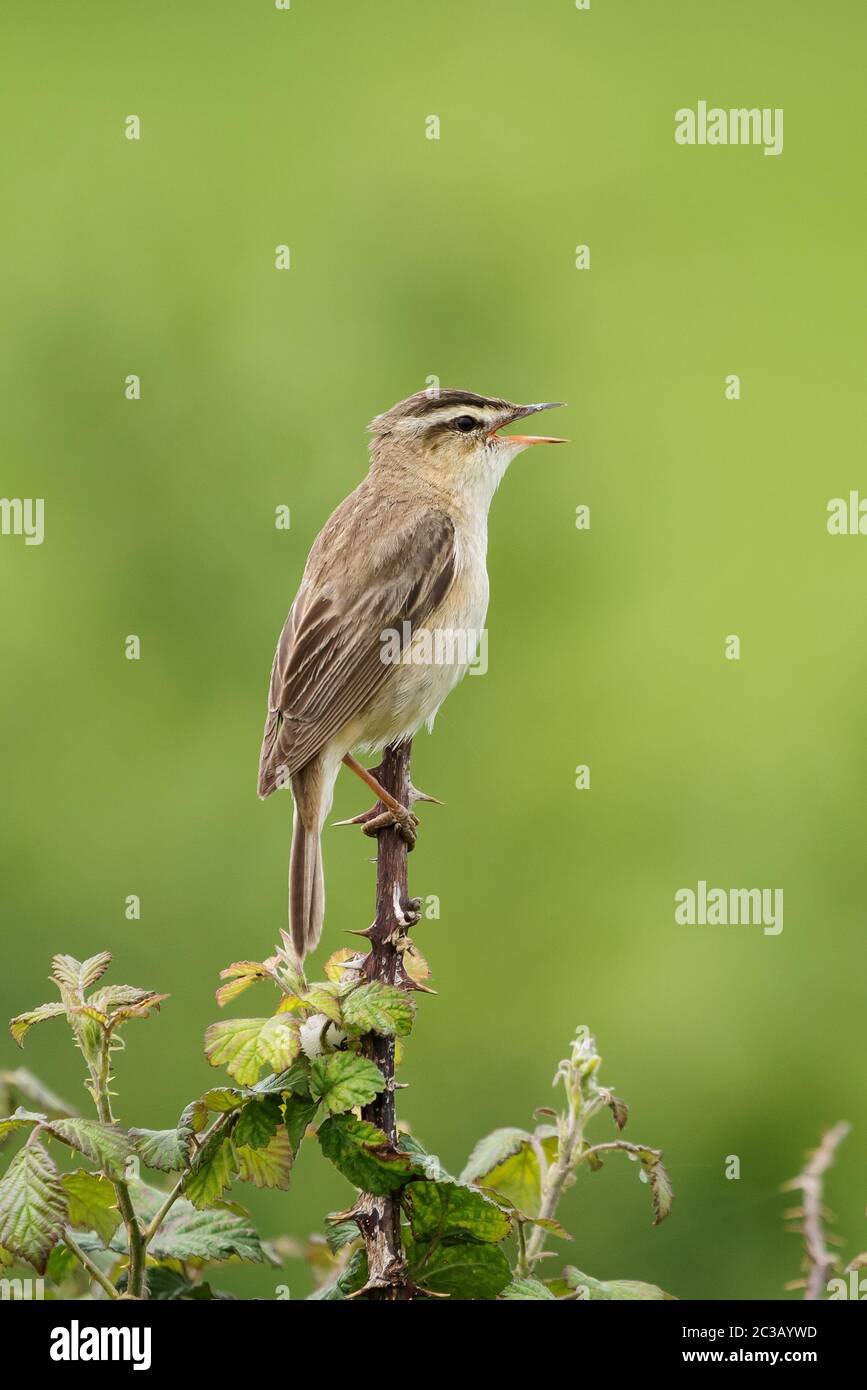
pixel 135 1243
pixel 93 1269
pixel 556 1179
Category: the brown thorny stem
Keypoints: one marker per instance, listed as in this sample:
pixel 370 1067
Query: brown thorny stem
pixel 811 1183
pixel 378 1218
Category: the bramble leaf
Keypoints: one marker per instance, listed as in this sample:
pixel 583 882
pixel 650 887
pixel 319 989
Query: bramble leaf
pixel 342 1080
pixel 33 1206
pixel 464 1271
pixel 298 1114
pixel 213 1171
pixel 245 1045
pixel 363 1154
pixel 517 1177
pixel 165 1149
pixel 378 1008
pixel 107 1145
pixel 241 975
pixel 92 1203
pixel 441 1210
pixel 614 1290
pixel 78 976
pixel 267 1167
pixel 526 1289
pixel 20 1026
pixel 258 1123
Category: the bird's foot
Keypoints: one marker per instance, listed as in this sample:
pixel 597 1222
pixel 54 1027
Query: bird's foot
pixel 387 811
pixel 380 817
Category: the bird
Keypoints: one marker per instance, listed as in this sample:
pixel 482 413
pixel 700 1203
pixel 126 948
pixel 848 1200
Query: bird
pixel 401 558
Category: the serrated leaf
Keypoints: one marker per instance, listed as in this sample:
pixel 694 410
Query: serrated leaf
pixel 78 976
pixel 258 1123
pixel 245 1045
pixel 21 1025
pixel 619 1109
pixel 463 1271
pixel 443 1210
pixel 267 1167
pixel 92 1203
pixel 241 975
pixel 33 1206
pixel 208 1236
pixel 194 1117
pixel 295 1078
pixel 491 1151
pixel 213 1171
pixel 224 1099
pixel 547 1223
pixel 518 1177
pixel 20 1119
pixel 340 1232
pixel 363 1154
pixel 378 1008
pixel 298 1113
pixel 140 1010
pixel 527 1289
pixel 612 1290
pixel 167 1150
pixel 661 1192
pixel 322 1001
pixel 343 1080
pixel 107 1145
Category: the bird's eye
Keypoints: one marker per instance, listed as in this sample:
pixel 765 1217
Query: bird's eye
pixel 465 423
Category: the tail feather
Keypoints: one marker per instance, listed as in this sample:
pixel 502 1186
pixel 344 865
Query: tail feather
pixel 306 888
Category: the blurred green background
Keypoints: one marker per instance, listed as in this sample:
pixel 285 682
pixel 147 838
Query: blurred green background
pixel 413 257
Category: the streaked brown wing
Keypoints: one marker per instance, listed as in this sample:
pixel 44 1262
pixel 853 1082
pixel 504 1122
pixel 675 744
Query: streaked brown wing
pixel 328 662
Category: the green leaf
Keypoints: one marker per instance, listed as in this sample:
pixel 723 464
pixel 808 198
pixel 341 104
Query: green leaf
pixel 493 1150
pixel 107 1145
pixel 92 1203
pixel 340 1232
pixel 258 1123
pixel 165 1149
pixel 614 1291
pixel 518 1178
pixel 322 1000
pixel 209 1236
pixel 213 1172
pixel 20 1026
pixel 19 1119
pixel 78 976
pixel 661 1192
pixel 267 1167
pixel 464 1271
pixel 299 1112
pixel 223 1099
pixel 363 1154
pixel 33 1206
pixel 245 1045
pixel 343 1080
pixel 241 975
pixel 378 1008
pixel 526 1289
pixel 295 1078
pixel 441 1210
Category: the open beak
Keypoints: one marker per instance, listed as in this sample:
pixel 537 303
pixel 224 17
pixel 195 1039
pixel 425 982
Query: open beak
pixel 520 412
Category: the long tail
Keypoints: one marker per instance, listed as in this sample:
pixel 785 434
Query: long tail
pixel 306 887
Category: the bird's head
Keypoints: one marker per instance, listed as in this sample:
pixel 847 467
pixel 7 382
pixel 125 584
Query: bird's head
pixel 453 437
